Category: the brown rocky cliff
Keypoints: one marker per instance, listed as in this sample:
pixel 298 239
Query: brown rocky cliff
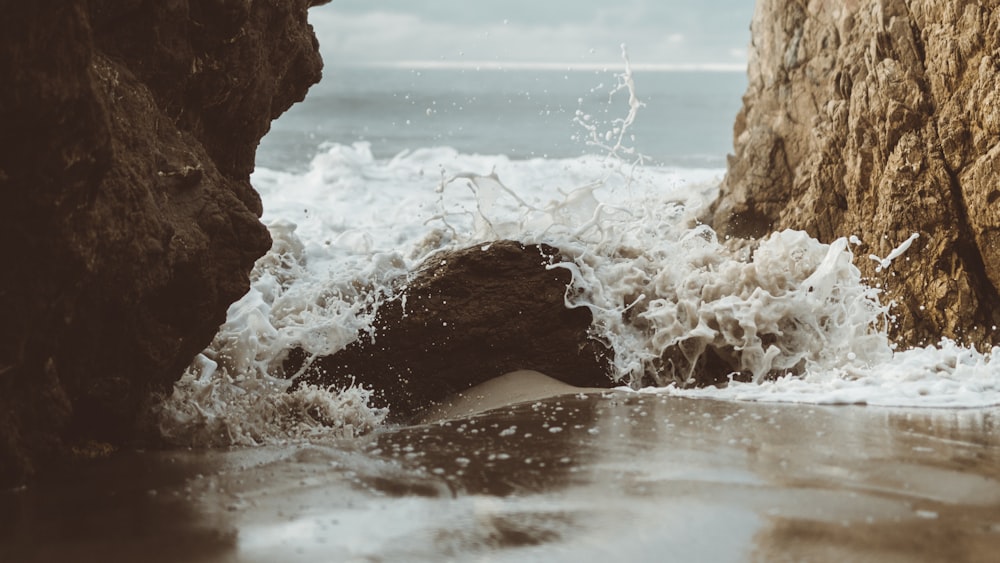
pixel 880 118
pixel 128 220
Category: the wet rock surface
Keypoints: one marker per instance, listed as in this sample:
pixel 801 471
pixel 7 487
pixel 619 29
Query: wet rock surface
pixel 465 317
pixel 125 205
pixel 879 119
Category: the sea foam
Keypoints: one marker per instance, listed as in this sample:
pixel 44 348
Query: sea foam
pixel 786 318
pixel 789 313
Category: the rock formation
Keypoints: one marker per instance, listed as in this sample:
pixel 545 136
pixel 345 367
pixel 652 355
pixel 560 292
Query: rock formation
pixel 465 317
pixel 128 133
pixel 880 118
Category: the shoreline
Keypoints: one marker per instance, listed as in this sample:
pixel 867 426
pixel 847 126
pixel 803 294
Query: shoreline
pixel 569 478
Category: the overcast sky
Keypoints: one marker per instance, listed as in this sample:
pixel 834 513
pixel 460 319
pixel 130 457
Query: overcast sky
pixel 667 32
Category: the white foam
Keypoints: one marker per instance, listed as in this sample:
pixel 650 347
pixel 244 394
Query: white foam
pixel 343 232
pixel 235 392
pixel 663 289
pixel 789 312
pixel 946 375
pixel 792 304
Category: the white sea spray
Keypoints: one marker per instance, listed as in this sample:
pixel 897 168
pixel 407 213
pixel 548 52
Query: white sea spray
pixel 360 225
pixel 947 375
pixel 788 313
pixel 665 291
pixel 236 392
pixel 615 138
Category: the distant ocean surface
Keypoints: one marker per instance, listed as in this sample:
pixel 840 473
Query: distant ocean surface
pixel 686 120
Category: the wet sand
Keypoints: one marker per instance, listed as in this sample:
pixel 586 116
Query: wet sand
pixel 509 389
pixel 578 477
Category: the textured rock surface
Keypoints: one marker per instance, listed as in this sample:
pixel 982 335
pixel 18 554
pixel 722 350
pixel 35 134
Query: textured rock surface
pixel 128 220
pixel 880 118
pixel 465 317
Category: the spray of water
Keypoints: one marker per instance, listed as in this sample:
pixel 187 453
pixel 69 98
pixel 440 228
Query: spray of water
pixel 790 315
pixel 615 138
pixel 235 392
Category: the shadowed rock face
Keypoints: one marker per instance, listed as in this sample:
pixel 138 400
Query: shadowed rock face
pixel 128 220
pixel 465 317
pixel 879 118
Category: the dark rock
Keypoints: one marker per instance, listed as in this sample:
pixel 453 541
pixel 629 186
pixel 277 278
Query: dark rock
pixel 465 317
pixel 880 119
pixel 128 220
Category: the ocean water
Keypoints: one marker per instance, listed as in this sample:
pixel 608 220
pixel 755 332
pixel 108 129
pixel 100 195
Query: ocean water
pixel 522 113
pixel 867 453
pixel 381 167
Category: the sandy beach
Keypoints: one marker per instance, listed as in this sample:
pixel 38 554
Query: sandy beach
pixel 577 477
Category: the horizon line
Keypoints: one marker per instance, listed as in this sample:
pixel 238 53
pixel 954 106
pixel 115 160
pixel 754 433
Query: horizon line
pixel 539 65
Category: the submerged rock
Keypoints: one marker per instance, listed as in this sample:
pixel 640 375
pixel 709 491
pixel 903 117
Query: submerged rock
pixel 126 211
pixel 467 316
pixel 879 119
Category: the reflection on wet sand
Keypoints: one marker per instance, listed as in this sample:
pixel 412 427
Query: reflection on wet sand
pixel 129 508
pixel 570 478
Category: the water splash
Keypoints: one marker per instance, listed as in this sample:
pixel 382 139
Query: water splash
pixel 616 141
pixel 236 392
pixel 789 315
pixel 693 304
pixel 884 263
